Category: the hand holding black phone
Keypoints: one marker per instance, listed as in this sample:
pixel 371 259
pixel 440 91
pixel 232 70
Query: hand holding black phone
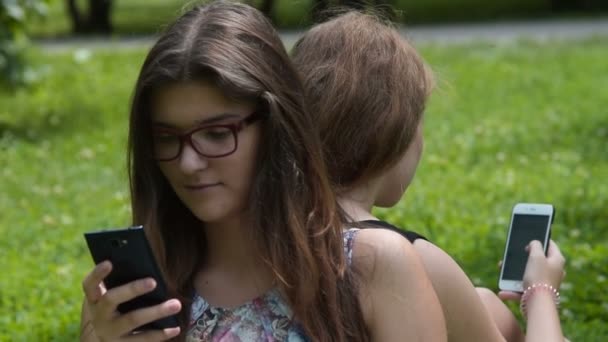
pixel 131 256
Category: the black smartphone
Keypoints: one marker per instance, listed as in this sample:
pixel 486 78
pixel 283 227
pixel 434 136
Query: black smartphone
pixel 132 258
pixel 529 221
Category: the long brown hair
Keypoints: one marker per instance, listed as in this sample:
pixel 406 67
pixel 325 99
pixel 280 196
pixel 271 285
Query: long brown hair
pixel 298 226
pixel 367 88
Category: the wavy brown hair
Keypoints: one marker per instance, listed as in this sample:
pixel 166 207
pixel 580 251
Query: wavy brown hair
pixel 298 225
pixel 367 88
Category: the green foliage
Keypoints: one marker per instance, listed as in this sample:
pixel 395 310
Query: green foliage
pixel 508 123
pixel 148 16
pixel 13 16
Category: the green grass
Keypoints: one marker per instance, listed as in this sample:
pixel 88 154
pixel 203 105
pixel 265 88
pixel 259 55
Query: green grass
pixel 508 123
pixel 133 17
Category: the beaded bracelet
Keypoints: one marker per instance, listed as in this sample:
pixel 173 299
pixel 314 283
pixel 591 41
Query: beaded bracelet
pixel 536 287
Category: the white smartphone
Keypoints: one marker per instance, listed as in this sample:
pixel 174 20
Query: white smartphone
pixel 529 221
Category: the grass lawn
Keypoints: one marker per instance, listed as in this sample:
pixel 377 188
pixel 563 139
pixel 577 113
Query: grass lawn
pixel 508 123
pixel 147 16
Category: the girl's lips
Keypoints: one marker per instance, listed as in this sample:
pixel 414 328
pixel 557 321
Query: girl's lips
pixel 201 186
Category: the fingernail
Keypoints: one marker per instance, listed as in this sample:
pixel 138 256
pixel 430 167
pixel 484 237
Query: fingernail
pixel 105 266
pixel 149 284
pixel 172 332
pixel 174 305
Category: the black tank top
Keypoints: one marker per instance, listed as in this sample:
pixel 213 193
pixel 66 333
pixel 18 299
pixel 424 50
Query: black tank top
pixel 411 236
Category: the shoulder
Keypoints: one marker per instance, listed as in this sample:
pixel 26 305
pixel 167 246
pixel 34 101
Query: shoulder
pixel 380 247
pixel 440 266
pixel 384 261
pixel 393 285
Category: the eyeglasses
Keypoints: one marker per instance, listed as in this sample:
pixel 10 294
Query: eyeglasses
pixel 213 141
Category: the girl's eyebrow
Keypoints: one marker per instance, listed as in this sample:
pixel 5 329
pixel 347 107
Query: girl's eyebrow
pixel 201 122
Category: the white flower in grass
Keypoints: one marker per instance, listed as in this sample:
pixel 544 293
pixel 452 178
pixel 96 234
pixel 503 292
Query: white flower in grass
pixel 523 160
pixel 125 209
pixel 119 195
pixel 48 219
pixel 64 270
pixel 578 263
pixel 66 220
pixel 58 189
pixel 87 153
pixel 82 55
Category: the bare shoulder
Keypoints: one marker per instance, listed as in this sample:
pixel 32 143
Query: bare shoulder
pixel 436 261
pixel 380 251
pixel 394 285
pixel 383 258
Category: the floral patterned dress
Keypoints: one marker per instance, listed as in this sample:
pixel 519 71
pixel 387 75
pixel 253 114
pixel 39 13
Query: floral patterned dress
pixel 267 318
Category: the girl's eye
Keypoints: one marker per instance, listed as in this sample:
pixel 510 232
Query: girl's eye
pixel 215 133
pixel 163 138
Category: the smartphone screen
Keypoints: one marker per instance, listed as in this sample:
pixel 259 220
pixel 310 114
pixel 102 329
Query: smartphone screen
pixel 524 228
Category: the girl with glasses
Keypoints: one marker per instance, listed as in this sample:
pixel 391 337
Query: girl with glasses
pixel 228 179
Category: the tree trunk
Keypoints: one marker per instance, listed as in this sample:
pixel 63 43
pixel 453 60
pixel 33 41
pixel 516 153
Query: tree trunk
pixel 78 22
pixel 266 8
pixel 568 5
pixel 98 19
pixel 100 16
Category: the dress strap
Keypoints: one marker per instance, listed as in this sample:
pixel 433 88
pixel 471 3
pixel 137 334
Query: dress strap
pixel 349 241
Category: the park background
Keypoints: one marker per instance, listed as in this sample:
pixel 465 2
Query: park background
pixel 510 121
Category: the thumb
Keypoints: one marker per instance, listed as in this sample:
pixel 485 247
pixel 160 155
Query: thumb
pixel 508 295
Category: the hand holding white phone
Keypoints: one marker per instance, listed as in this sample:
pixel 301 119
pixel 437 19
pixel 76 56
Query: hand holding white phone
pixel 542 269
pixel 529 222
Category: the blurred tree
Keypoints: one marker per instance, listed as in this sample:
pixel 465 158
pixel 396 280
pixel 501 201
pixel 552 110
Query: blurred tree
pixel 381 7
pixel 578 5
pixel 13 38
pixel 97 20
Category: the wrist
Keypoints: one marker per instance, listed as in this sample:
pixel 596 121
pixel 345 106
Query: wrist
pixel 537 292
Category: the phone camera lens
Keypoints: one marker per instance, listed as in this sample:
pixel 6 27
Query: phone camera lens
pixel 117 243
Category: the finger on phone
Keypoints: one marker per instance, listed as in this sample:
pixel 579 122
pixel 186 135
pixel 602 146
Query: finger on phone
pixel 92 283
pixel 536 248
pixel 508 295
pixel 126 292
pixel 154 335
pixel 136 318
pixel 499 264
